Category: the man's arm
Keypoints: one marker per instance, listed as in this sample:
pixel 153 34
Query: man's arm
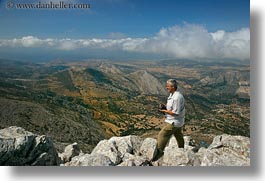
pixel 176 107
pixel 167 112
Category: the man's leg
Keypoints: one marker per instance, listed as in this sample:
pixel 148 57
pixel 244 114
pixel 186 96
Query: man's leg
pixel 179 137
pixel 164 136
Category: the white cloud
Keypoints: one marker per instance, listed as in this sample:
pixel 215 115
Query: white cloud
pixel 182 42
pixel 193 41
pixel 66 44
pixel 187 41
pixel 233 44
pixel 30 41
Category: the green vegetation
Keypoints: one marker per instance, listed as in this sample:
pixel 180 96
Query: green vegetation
pixel 98 76
pixel 66 80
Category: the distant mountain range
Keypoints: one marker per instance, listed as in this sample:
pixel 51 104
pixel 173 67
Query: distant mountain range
pixel 96 99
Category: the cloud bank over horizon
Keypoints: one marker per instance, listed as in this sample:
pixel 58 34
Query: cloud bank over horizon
pixel 188 41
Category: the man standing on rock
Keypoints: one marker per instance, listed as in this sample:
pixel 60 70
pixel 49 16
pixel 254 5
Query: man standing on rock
pixel 175 117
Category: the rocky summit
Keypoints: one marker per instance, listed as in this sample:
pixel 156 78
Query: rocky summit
pixel 19 147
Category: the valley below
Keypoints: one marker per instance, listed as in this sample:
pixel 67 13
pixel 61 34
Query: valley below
pixel 91 100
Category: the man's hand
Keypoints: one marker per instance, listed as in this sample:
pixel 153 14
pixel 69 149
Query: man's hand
pixel 167 112
pixel 162 106
pixel 162 110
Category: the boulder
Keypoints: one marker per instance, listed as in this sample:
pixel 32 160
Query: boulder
pixel 19 147
pixel 149 148
pixel 136 161
pixel 189 143
pixel 198 156
pixel 90 160
pixel 227 150
pixel 70 151
pixel 127 144
pixel 116 147
pixel 174 156
pixel 108 149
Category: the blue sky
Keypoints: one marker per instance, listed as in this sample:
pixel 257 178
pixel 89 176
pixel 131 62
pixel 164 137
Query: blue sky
pixel 141 26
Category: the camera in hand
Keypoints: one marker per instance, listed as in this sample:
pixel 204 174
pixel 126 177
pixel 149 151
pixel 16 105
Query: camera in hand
pixel 162 107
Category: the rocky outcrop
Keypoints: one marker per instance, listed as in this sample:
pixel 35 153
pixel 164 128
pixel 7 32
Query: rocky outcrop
pixel 70 151
pixel 20 147
pixel 226 150
pixel 244 90
pixel 116 149
pixel 149 148
pixel 90 160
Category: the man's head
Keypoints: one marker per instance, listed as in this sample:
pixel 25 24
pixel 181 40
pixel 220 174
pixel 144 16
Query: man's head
pixel 172 85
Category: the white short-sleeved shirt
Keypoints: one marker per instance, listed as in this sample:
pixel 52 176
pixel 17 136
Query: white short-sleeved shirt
pixel 175 103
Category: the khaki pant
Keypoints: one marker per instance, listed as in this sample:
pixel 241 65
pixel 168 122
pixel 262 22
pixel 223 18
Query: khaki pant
pixel 165 134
